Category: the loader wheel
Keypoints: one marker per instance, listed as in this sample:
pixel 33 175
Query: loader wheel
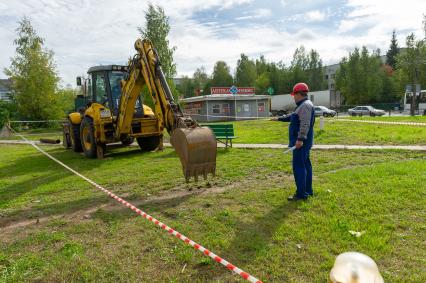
pixel 87 135
pixel 75 137
pixel 148 143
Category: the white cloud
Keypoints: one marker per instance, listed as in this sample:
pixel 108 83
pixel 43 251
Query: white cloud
pixel 257 14
pixel 347 25
pixel 315 16
pixel 381 17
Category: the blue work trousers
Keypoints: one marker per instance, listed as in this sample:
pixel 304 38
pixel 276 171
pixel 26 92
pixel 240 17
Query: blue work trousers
pixel 302 170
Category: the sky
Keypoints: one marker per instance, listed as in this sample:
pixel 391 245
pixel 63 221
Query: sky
pixel 84 33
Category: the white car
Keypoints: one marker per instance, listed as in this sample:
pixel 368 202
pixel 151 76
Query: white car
pixel 324 111
pixel 366 110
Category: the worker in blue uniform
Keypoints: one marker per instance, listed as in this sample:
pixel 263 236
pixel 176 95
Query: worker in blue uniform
pixel 301 135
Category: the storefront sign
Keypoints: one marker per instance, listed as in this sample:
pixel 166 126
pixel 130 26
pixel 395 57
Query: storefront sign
pixel 233 90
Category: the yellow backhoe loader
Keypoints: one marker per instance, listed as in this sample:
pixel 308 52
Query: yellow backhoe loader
pixel 114 112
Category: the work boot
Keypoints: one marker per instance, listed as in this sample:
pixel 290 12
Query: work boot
pixel 295 198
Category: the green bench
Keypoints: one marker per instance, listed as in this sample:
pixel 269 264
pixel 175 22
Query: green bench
pixel 223 132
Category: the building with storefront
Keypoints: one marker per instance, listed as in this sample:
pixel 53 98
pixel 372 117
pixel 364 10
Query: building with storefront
pixel 227 104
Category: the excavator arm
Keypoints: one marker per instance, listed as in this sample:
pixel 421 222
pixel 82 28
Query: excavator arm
pixel 195 145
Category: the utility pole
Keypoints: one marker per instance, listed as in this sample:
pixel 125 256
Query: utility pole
pixel 413 98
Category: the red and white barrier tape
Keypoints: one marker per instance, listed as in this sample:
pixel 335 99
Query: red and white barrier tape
pixel 173 232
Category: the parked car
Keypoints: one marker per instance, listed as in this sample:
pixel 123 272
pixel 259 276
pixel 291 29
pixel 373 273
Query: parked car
pixel 324 111
pixel 366 110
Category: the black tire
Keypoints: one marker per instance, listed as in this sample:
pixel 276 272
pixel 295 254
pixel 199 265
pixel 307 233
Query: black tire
pixel 353 114
pixel 372 114
pixel 87 137
pixel 127 141
pixel 148 143
pixel 75 137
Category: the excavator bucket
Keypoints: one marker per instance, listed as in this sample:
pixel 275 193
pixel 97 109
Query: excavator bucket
pixel 196 148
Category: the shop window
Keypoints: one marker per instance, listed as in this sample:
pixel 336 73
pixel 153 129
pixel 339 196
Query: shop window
pixel 225 108
pixel 216 108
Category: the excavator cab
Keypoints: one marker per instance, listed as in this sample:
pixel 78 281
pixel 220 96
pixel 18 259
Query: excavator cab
pixel 104 87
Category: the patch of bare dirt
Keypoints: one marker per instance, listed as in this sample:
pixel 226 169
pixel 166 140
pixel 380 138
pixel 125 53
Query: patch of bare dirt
pixel 178 192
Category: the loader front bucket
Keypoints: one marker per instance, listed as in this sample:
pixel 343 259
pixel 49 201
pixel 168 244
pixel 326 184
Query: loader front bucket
pixel 196 148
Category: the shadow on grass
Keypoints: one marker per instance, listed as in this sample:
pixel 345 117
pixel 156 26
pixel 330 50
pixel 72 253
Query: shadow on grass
pixel 9 193
pixel 54 209
pixel 252 238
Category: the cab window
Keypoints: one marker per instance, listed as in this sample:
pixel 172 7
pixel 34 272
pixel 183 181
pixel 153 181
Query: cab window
pixel 100 94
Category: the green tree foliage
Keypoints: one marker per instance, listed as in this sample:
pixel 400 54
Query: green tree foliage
pixel 362 78
pixel 392 52
pixel 307 67
pixel 245 74
pixel 262 83
pixel 65 99
pixel 157 29
pixel 8 111
pixel 315 72
pixel 299 65
pixel 262 74
pixel 412 62
pixel 221 75
pixel 262 66
pixel 33 75
pixel 186 87
pixel 200 80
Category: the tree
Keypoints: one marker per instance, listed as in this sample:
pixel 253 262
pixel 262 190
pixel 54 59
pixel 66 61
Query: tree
pixel 33 75
pixel 200 80
pixel 65 98
pixel 221 75
pixel 262 83
pixel 299 65
pixel 157 29
pixel 186 87
pixel 362 78
pixel 392 52
pixel 262 66
pixel 412 61
pixel 245 74
pixel 307 68
pixel 315 72
pixel 7 112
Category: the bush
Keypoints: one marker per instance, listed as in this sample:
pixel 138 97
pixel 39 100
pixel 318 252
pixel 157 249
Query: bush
pixel 8 111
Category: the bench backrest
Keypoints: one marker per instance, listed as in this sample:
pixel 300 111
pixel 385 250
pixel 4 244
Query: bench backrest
pixel 222 130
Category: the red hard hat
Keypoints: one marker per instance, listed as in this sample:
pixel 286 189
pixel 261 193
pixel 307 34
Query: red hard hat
pixel 299 87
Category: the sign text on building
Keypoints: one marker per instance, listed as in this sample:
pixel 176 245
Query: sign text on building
pixel 233 90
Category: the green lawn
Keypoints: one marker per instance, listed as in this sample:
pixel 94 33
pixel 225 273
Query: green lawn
pixel 335 132
pixel 416 119
pixel 242 215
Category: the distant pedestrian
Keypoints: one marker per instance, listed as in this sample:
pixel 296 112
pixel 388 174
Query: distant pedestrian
pixel 301 135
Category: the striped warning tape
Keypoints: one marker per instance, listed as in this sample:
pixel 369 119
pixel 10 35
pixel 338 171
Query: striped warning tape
pixel 160 224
